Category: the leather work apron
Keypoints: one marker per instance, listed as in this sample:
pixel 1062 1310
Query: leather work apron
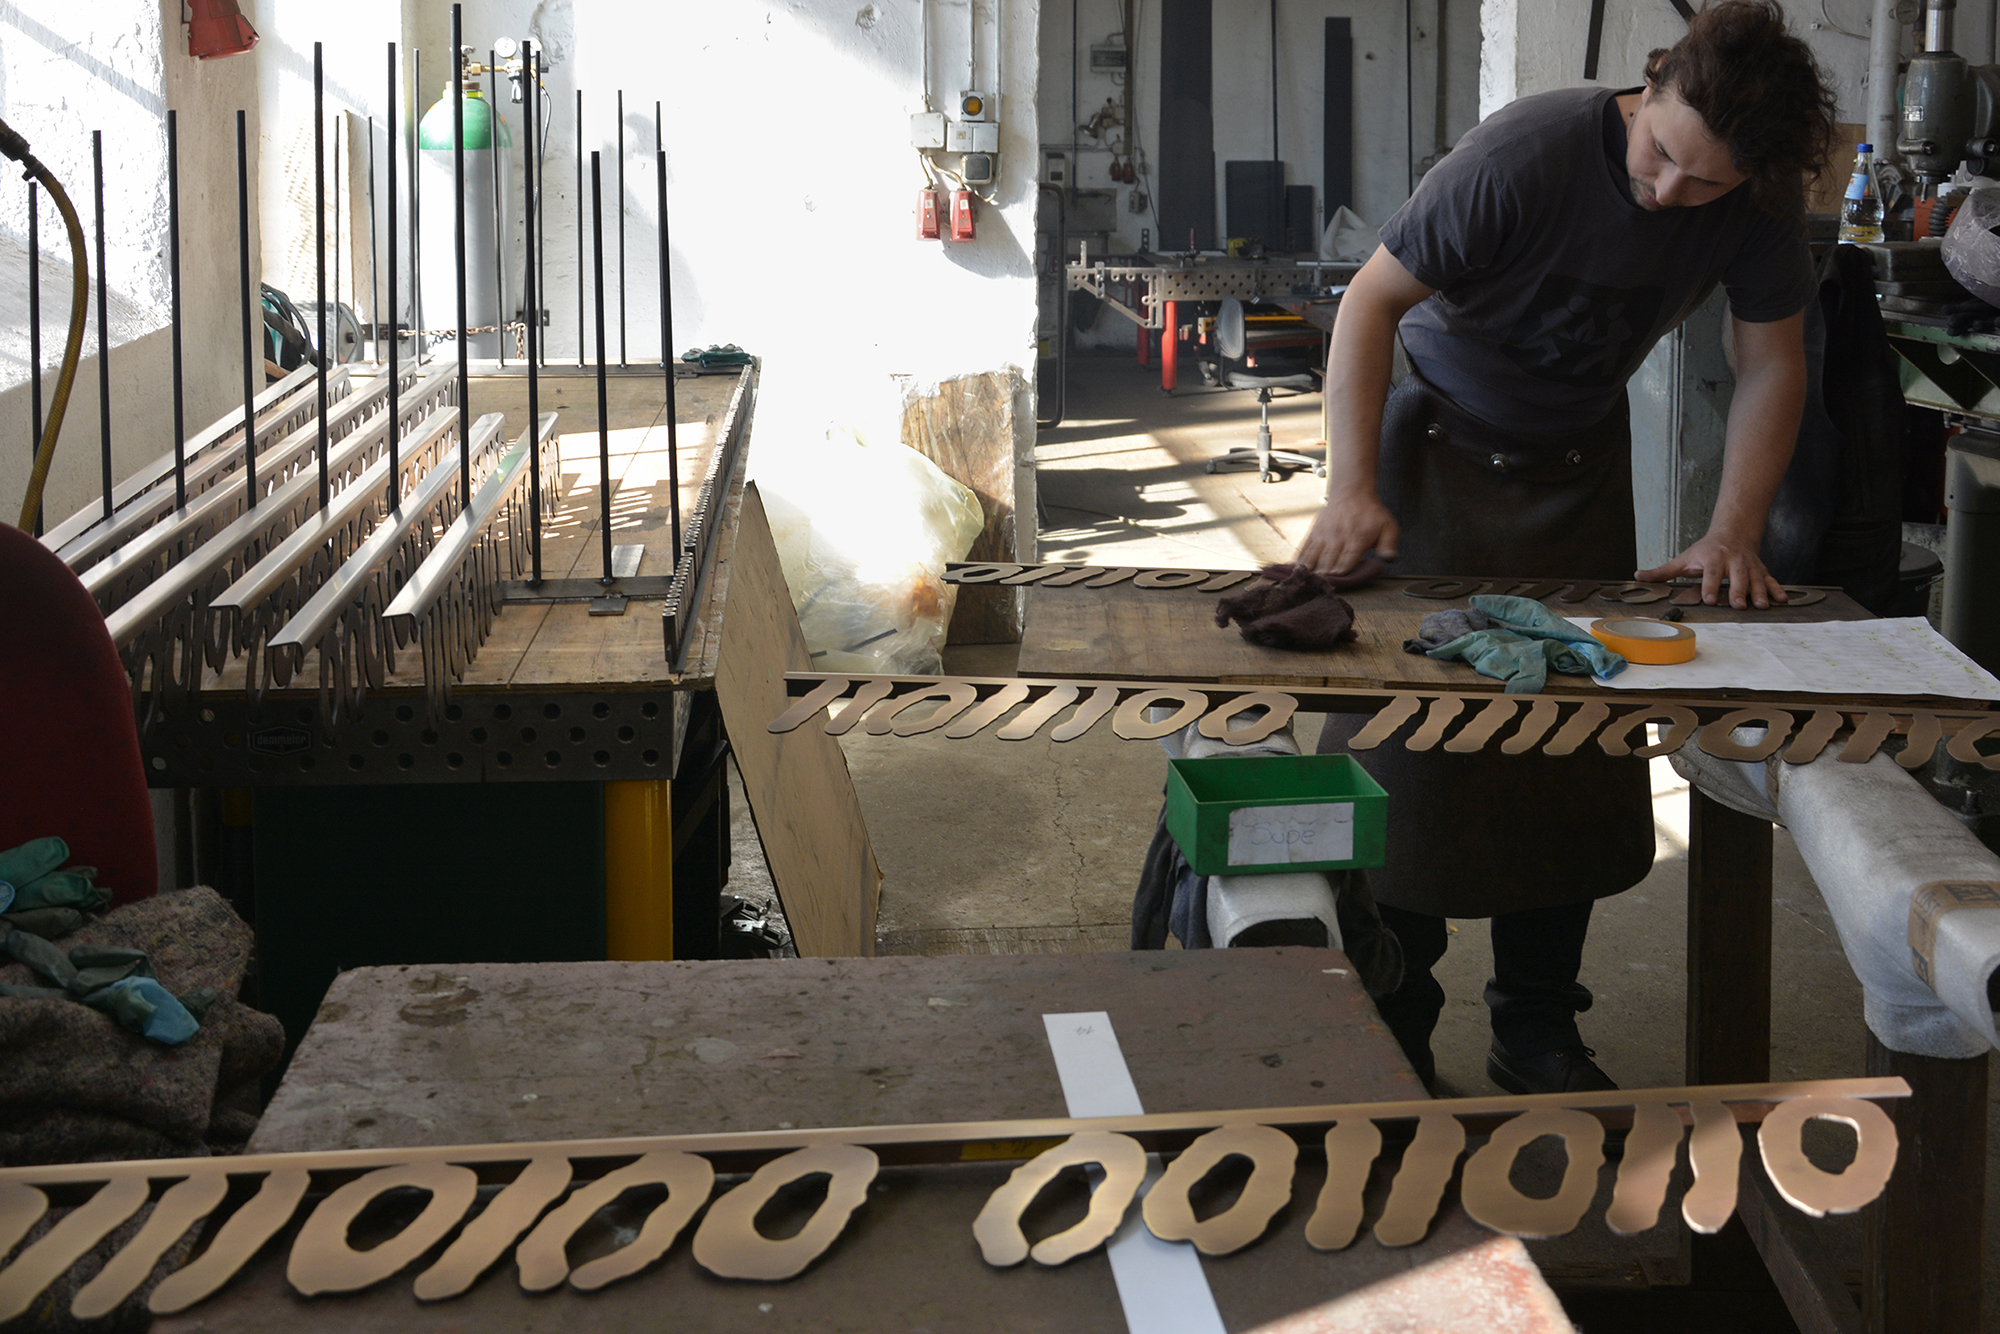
pixel 1482 834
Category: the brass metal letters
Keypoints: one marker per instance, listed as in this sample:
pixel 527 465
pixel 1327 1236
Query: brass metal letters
pixel 1461 722
pixel 99 1197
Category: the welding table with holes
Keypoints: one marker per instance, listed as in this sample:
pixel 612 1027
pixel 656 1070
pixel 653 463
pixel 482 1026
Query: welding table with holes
pixel 1128 633
pixel 493 830
pixel 1150 290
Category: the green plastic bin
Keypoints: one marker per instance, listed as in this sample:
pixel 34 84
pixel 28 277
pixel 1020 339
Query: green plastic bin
pixel 1240 815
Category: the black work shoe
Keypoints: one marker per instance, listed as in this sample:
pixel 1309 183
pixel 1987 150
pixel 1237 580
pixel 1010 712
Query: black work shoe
pixel 1564 1070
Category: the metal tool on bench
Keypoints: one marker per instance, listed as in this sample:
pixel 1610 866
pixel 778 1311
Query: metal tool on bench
pixel 1231 341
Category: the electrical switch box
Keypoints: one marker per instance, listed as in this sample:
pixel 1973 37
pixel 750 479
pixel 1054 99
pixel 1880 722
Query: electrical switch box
pixel 927 129
pixel 977 168
pixel 973 137
pixel 1055 169
pixel 974 105
pixel 961 215
pixel 928 224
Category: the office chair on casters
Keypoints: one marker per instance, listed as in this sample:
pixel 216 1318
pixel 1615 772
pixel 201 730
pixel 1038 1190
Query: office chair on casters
pixel 1230 341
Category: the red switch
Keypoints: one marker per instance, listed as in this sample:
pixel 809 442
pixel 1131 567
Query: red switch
pixel 927 215
pixel 961 215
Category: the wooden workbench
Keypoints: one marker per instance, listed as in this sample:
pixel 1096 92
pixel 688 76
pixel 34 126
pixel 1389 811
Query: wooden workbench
pixel 435 1056
pixel 1129 633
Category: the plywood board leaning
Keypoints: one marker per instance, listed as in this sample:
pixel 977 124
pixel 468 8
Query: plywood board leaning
pixel 800 793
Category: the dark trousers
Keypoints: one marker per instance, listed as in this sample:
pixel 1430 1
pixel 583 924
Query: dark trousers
pixel 1533 994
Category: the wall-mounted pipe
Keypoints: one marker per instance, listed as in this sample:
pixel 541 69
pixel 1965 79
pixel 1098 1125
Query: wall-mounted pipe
pixel 1885 47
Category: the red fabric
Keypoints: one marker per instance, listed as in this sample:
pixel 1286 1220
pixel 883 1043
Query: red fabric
pixel 69 749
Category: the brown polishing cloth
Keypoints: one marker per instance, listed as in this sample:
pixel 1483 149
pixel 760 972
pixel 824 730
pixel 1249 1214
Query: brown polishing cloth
pixel 1295 608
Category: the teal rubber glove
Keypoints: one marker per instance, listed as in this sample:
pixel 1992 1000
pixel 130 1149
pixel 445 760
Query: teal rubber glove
pixel 1502 655
pixel 1528 617
pixel 147 1008
pixel 32 880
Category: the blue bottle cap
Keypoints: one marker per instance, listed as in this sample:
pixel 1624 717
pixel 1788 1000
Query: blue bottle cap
pixel 1864 148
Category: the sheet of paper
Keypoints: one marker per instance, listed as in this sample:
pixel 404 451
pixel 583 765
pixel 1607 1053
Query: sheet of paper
pixel 1893 656
pixel 1281 835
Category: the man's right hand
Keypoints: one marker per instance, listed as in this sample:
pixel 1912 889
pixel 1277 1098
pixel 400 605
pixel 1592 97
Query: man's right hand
pixel 1346 530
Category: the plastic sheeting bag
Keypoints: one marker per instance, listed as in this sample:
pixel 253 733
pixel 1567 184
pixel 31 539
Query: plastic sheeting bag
pixel 1347 238
pixel 1972 245
pixel 864 532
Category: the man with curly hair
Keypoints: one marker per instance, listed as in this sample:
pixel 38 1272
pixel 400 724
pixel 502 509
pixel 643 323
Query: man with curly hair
pixel 1529 276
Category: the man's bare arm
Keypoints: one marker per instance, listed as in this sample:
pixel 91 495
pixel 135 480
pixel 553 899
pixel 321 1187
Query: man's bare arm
pixel 1357 384
pixel 1757 446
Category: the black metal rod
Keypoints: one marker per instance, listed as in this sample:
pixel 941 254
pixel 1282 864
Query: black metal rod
pixel 416 208
pixel 667 363
pixel 35 329
pixel 532 301
pixel 103 321
pixel 621 227
pixel 581 350
pixel 395 307
pixel 339 342
pixel 535 146
pixel 174 296
pixel 252 363
pixel 319 268
pixel 374 257
pixel 603 404
pixel 499 237
pixel 458 250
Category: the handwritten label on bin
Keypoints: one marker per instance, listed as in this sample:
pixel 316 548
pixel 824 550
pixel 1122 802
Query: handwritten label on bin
pixel 1280 835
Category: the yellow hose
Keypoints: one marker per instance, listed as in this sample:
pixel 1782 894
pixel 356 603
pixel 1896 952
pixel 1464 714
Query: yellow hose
pixel 79 300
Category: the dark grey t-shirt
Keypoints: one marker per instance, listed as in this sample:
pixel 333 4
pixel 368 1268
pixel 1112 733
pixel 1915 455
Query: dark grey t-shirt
pixel 1552 284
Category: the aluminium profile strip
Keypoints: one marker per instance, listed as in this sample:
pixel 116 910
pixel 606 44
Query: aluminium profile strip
pixel 342 622
pixel 153 553
pixel 691 564
pixel 212 451
pixel 449 602
pixel 164 632
pixel 275 588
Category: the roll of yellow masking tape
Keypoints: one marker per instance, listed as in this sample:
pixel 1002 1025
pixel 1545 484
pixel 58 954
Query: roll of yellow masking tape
pixel 1645 640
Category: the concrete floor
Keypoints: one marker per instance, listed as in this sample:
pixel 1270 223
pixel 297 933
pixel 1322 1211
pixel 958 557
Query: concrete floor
pixel 1061 828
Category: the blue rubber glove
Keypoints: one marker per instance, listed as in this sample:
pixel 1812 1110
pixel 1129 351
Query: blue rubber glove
pixel 147 1008
pixel 1528 617
pixel 1502 655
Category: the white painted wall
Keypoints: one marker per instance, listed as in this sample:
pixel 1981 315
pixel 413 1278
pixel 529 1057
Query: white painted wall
pixel 117 66
pixel 355 53
pixel 790 177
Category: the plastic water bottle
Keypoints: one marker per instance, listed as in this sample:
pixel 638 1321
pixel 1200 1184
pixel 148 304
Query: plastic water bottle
pixel 1861 210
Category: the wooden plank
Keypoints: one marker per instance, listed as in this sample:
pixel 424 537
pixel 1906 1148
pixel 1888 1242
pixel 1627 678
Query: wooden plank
pixel 1796 1257
pixel 540 1051
pixel 808 817
pixel 1125 632
pixel 1924 1251
pixel 1729 944
pixel 967 429
pixel 934 942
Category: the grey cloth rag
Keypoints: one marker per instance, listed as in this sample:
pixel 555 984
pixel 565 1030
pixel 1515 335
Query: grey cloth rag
pixel 1441 627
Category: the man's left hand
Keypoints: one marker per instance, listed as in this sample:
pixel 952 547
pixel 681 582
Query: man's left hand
pixel 1719 557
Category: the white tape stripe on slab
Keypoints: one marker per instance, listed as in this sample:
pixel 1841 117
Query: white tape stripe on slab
pixel 1160 1283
